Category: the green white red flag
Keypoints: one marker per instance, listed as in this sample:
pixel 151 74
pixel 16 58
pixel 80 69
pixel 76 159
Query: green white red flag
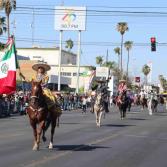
pixel 8 65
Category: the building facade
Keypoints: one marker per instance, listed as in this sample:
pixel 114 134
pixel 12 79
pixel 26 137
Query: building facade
pixel 28 56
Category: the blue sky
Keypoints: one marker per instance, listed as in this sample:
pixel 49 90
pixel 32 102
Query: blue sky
pixel 101 29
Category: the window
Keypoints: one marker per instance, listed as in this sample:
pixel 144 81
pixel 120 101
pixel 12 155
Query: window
pixel 37 57
pixel 74 74
pixel 66 74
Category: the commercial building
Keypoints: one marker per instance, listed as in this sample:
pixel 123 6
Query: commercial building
pixel 28 56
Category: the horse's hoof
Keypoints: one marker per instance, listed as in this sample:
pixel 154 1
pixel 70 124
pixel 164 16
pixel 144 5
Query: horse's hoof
pixel 35 148
pixel 98 125
pixel 50 146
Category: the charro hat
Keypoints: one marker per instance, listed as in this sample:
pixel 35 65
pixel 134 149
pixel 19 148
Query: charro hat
pixel 41 64
pixel 122 81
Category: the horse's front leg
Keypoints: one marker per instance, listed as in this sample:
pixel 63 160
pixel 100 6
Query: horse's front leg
pixel 96 115
pixel 100 114
pixel 34 127
pixel 39 132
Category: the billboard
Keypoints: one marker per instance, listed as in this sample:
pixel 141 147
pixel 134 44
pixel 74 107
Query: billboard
pixel 102 72
pixel 70 18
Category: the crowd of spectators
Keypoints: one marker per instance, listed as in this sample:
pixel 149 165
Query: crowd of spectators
pixel 17 103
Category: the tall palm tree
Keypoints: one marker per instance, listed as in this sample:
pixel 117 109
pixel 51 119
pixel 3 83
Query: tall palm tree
pixel 128 46
pixel 2 30
pixel 8 5
pixel 163 82
pixel 146 70
pixel 99 60
pixel 2 25
pixel 122 27
pixel 69 44
pixel 117 51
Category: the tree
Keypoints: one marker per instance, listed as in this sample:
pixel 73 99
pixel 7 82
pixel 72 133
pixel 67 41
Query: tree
pixel 2 30
pixel 2 25
pixel 109 64
pixel 163 82
pixel 69 44
pixel 8 5
pixel 128 46
pixel 146 70
pixel 122 27
pixel 117 51
pixel 99 60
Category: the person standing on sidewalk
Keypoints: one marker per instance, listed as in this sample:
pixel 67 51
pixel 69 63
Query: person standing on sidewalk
pixel 84 103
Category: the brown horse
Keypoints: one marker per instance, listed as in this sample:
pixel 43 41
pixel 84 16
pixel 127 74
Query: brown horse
pixel 38 113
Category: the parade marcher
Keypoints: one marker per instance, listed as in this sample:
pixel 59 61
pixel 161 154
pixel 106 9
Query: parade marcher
pixel 41 69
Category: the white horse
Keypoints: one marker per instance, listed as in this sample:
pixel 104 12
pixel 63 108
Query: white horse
pixel 98 108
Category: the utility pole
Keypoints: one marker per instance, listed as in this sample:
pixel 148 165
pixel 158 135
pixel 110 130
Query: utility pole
pixel 107 56
pixel 78 60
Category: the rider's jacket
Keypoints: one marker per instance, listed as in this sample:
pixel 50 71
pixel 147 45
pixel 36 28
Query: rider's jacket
pixel 41 77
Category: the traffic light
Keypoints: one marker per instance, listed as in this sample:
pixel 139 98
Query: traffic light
pixel 153 44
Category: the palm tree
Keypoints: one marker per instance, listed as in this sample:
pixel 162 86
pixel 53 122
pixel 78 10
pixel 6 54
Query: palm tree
pixel 128 46
pixel 163 82
pixel 8 5
pixel 2 30
pixel 69 44
pixel 2 25
pixel 146 70
pixel 122 27
pixel 99 60
pixel 109 64
pixel 117 51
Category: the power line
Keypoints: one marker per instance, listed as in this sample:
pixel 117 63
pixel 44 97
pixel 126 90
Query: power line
pixel 101 43
pixel 97 11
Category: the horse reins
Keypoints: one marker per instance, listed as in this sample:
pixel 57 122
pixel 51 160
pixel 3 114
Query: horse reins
pixel 33 109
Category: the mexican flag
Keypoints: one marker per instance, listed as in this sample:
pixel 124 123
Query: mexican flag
pixel 8 65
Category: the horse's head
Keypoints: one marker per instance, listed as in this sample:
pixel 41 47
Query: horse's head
pixel 36 91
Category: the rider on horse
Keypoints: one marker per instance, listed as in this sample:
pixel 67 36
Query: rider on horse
pixel 122 100
pixel 103 89
pixel 41 69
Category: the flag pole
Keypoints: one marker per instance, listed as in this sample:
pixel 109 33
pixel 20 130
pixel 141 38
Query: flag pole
pixel 19 70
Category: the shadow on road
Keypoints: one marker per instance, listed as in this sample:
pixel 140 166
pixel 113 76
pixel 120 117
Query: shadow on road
pixel 114 125
pixel 137 119
pixel 81 147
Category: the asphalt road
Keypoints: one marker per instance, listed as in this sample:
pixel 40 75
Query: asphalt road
pixel 138 141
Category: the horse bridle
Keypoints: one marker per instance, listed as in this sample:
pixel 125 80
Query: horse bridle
pixel 34 97
pixel 34 109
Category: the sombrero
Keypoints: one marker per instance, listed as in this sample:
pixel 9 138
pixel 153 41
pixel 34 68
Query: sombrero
pixel 41 64
pixel 122 80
